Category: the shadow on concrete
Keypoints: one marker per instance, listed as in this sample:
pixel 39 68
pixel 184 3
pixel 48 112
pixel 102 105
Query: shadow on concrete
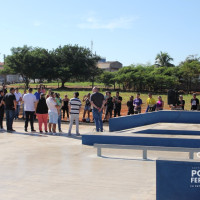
pixel 168 132
pixel 37 134
pixel 134 159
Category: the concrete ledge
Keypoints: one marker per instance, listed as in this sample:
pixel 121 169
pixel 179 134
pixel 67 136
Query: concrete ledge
pixel 127 122
pixel 168 132
pixel 144 141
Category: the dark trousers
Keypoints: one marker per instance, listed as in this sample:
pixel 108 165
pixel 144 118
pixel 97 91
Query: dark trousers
pixel 130 111
pixel 117 112
pixel 67 111
pixel 1 117
pixel 29 116
pixel 9 119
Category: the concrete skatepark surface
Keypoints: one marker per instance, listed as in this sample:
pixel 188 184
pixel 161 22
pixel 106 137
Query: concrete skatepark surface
pixel 59 167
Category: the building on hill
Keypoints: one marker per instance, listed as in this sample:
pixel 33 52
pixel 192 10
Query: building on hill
pixel 110 66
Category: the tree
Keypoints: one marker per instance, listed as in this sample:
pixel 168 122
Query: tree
pixel 75 62
pixel 107 78
pixel 163 59
pixel 20 61
pixel 190 72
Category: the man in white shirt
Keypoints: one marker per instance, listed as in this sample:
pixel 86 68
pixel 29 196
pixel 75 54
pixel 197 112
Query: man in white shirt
pixel 53 112
pixel 18 97
pixel 29 108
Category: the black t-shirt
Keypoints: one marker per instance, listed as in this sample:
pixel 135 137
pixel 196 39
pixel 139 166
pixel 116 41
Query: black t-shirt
pixel 130 105
pixel 181 102
pixel 42 107
pixel 8 99
pixel 1 107
pixel 117 104
pixel 109 103
pixel 194 104
pixel 97 98
pixel 5 91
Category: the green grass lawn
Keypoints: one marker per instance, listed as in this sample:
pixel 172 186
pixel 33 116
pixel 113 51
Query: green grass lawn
pixel 125 96
pixel 55 84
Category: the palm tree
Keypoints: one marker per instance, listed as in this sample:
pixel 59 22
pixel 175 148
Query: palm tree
pixel 163 59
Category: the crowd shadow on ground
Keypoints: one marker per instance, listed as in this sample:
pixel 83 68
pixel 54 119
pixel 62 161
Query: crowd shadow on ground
pixel 37 134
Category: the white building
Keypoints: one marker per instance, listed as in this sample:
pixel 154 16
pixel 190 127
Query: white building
pixel 111 66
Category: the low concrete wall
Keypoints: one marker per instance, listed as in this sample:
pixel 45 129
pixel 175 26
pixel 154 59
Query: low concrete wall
pixel 176 180
pixel 144 141
pixel 121 123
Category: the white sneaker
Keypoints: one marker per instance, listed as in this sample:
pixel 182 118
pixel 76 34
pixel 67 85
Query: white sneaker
pixel 78 134
pixel 54 133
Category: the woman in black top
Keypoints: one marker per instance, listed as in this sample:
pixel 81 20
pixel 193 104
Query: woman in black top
pixel 130 106
pixel 65 106
pixel 42 113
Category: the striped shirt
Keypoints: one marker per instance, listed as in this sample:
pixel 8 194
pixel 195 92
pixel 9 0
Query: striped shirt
pixel 75 104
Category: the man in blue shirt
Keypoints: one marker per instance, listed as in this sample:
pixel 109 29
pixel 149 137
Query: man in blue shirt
pixel 37 94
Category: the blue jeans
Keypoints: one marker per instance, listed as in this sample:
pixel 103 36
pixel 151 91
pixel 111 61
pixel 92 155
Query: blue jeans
pixel 98 119
pixel 59 121
pixel 17 112
pixel 9 119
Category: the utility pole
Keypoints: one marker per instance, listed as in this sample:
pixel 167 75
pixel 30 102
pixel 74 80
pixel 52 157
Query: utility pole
pixel 92 46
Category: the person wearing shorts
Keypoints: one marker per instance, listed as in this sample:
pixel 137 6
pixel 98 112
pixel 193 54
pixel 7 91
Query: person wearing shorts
pixel 53 112
pixel 87 107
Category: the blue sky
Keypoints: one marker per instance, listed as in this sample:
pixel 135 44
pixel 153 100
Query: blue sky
pixel 130 31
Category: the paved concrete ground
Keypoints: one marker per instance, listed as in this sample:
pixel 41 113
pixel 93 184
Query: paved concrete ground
pixel 55 167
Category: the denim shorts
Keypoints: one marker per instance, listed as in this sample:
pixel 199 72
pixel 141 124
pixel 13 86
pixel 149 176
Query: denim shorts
pixel 87 108
pixel 53 118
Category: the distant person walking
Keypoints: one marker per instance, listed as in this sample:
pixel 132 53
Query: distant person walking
pixel 18 97
pixel 1 109
pixel 97 101
pixel 29 108
pixel 42 113
pixel 10 105
pixel 75 106
pixel 53 112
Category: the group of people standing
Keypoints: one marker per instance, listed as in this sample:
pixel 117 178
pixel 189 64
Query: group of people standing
pixel 48 108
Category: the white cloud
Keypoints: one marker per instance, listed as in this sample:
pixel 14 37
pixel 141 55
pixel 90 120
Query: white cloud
pixel 119 23
pixel 37 23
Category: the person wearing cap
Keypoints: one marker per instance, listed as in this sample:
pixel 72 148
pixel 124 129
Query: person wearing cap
pixel 181 102
pixel 194 102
